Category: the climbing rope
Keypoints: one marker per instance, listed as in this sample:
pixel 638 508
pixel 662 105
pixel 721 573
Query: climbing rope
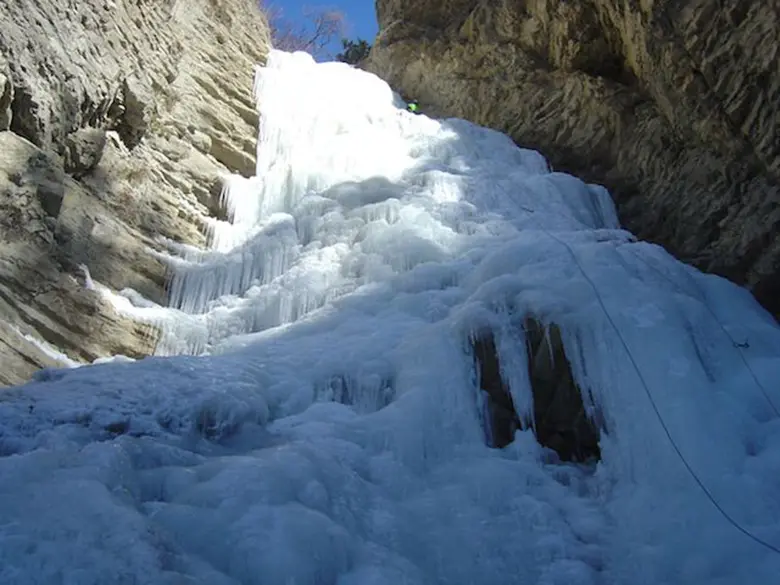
pixel 737 346
pixel 646 388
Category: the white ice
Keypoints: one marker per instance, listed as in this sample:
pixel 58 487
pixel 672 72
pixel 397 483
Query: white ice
pixel 329 430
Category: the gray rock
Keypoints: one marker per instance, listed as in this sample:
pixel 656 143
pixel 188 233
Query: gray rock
pixel 115 109
pixel 136 111
pixel 83 150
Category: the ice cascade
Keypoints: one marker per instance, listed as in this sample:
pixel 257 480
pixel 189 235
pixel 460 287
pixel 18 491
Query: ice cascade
pixel 325 405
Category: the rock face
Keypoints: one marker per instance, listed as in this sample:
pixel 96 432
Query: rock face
pixel 673 105
pixel 118 119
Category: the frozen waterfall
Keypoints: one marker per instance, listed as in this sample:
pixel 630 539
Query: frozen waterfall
pixel 315 416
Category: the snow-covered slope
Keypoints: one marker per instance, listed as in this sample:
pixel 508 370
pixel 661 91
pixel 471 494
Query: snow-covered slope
pixel 331 429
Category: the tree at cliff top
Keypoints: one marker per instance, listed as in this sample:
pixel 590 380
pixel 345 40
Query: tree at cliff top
pixel 320 27
pixel 353 51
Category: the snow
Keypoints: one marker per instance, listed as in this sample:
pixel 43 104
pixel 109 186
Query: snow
pixel 46 349
pixel 313 416
pixel 52 352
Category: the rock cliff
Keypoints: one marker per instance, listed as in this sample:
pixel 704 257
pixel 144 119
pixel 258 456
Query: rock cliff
pixel 117 120
pixel 673 105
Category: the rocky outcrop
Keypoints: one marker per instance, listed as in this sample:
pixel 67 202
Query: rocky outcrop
pixel 674 106
pixel 118 119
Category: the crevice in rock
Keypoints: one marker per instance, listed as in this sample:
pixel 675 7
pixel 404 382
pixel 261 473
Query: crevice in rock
pixel 25 118
pixel 613 68
pixel 561 421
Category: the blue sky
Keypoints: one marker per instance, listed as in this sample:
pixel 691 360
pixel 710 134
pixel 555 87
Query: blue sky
pixel 360 14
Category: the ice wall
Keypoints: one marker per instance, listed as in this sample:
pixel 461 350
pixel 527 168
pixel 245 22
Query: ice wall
pixel 332 430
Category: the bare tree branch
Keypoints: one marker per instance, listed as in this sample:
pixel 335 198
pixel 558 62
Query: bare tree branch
pixel 321 27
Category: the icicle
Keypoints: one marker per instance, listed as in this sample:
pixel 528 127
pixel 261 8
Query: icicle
pixel 548 343
pixel 88 283
pixel 513 359
pixel 605 206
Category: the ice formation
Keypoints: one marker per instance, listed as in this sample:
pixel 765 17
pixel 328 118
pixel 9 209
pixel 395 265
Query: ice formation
pixel 324 425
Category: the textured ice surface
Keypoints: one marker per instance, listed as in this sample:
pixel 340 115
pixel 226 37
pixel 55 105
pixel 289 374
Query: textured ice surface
pixel 325 426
